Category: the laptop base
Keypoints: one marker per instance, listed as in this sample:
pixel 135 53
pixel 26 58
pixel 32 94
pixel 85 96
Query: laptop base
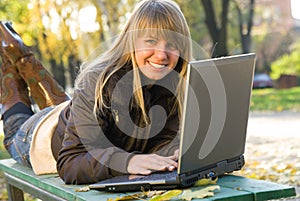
pixel 145 183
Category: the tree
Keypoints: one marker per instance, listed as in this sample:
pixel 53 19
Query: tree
pixel 245 23
pixel 218 27
pixel 217 30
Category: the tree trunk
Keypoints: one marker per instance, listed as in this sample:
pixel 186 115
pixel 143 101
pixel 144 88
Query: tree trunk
pixel 217 34
pixel 245 31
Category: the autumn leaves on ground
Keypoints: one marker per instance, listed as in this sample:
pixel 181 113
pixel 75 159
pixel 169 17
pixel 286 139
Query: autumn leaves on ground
pixel 273 160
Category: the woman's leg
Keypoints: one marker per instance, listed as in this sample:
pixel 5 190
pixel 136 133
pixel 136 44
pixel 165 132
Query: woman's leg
pixel 16 109
pixel 44 90
pixel 19 72
pixel 14 91
pixel 18 130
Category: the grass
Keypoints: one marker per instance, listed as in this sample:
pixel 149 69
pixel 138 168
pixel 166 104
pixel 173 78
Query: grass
pixel 3 155
pixel 3 152
pixel 276 100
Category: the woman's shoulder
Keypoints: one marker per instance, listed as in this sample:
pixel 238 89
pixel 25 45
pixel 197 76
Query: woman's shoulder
pixel 88 76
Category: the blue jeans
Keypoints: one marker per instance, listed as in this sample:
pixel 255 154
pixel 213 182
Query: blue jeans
pixel 18 130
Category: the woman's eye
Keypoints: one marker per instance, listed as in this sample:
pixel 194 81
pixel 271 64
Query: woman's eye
pixel 172 46
pixel 151 41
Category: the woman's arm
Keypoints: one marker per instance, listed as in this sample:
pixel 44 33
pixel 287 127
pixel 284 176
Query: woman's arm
pixel 86 155
pixel 80 162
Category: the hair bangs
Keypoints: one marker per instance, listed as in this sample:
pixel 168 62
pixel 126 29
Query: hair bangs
pixel 153 15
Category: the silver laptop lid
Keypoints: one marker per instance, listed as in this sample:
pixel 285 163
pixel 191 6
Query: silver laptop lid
pixel 215 112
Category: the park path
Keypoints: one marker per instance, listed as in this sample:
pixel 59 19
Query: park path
pixel 274 124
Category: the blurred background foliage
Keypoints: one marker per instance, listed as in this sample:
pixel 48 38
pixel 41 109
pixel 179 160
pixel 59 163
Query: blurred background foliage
pixel 288 63
pixel 63 33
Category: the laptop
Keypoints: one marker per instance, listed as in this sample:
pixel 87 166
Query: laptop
pixel 213 130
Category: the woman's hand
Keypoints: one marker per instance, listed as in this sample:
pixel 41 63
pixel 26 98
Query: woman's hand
pixel 147 163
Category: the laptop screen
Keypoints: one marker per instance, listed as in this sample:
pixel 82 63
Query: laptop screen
pixel 215 113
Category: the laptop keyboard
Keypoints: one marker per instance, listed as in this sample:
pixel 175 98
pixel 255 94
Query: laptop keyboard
pixel 156 176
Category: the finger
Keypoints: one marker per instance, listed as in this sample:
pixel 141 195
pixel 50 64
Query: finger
pixel 176 154
pixel 144 171
pixel 174 158
pixel 171 168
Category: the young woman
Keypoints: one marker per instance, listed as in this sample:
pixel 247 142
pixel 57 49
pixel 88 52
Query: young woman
pixel 124 115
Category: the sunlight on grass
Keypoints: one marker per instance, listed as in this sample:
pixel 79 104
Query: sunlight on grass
pixel 3 152
pixel 276 100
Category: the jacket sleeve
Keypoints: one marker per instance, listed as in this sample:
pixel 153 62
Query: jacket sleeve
pixel 86 155
pixel 168 149
pixel 170 141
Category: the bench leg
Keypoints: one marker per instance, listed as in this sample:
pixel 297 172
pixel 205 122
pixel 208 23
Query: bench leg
pixel 16 187
pixel 14 194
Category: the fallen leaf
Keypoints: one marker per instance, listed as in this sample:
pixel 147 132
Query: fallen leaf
pixel 167 195
pixel 83 189
pixel 205 192
pixel 203 182
pixel 150 194
pixel 127 197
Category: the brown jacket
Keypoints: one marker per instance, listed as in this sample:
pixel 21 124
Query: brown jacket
pixel 89 149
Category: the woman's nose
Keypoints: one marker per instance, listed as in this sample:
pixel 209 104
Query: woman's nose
pixel 161 52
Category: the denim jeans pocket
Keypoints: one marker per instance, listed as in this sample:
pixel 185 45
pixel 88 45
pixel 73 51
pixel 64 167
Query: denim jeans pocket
pixel 18 130
pixel 11 127
pixel 15 140
pixel 18 148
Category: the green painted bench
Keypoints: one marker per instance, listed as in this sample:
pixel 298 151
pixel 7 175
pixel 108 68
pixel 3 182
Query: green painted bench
pixel 21 179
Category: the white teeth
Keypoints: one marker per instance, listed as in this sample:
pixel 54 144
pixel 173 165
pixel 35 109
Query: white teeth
pixel 157 65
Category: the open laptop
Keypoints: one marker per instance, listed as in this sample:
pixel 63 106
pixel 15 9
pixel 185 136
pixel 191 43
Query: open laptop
pixel 213 130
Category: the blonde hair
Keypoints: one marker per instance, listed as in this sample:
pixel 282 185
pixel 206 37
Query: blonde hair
pixel 159 16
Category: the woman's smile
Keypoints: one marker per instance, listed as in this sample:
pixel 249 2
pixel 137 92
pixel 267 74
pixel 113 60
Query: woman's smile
pixel 157 66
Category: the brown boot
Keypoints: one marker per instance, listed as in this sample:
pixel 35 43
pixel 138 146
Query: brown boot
pixel 13 87
pixel 44 90
pixel 12 44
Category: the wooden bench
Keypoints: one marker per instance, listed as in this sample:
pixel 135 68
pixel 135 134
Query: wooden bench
pixel 21 179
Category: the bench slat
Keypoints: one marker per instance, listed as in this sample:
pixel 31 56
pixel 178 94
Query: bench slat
pixel 263 190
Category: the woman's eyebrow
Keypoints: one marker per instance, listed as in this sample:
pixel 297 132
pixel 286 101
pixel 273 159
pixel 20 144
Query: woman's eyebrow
pixel 150 36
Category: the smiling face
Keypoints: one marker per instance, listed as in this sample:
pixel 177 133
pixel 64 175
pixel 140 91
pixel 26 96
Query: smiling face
pixel 155 57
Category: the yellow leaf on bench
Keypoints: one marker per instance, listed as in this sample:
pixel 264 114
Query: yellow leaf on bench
pixel 167 195
pixel 203 182
pixel 127 197
pixel 83 189
pixel 205 192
